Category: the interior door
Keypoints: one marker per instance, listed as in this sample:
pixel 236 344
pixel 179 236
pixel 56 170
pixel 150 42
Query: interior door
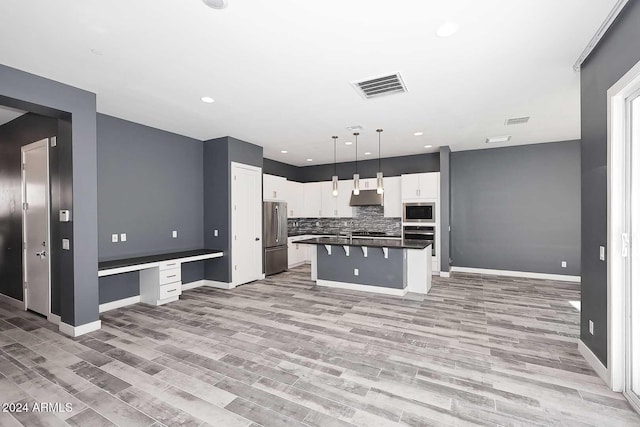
pixel 35 187
pixel 246 195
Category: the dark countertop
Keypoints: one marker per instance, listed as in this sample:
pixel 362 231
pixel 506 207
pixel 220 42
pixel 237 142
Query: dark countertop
pixel 372 243
pixel 317 233
pixel 126 262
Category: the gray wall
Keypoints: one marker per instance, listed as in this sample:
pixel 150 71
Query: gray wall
pixel 218 155
pixel 618 51
pixel 445 204
pixel 78 267
pixel 517 208
pixel 391 166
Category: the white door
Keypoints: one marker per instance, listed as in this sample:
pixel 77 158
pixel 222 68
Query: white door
pixel 246 223
pixel 35 220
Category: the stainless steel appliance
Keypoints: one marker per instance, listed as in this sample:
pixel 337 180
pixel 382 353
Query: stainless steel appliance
pixel 421 233
pixel 419 212
pixel 275 237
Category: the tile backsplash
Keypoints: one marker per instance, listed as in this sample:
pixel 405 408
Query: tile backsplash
pixel 365 218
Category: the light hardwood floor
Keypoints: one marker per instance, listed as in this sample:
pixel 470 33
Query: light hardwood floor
pixel 478 350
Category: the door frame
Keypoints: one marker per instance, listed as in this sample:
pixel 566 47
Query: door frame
pixel 618 179
pixel 258 170
pixel 34 145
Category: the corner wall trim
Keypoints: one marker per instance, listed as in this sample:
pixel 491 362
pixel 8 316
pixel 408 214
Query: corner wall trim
pixel 193 285
pixel 12 301
pixel 365 288
pixel 76 331
pixel 54 318
pixel 219 285
pixel 118 303
pixel 594 362
pixel 445 274
pixel 525 274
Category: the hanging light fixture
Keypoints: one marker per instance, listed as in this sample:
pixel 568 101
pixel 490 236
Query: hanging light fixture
pixel 356 177
pixel 379 184
pixel 334 178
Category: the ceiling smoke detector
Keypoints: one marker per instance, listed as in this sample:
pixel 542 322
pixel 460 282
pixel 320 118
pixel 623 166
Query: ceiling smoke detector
pixel 516 121
pixel 380 86
pixel 216 4
pixel 498 139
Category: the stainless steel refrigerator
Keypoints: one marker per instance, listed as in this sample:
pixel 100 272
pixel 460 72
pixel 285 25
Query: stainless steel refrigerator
pixel 275 237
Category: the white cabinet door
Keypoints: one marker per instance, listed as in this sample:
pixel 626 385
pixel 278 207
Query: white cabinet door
pixel 392 197
pixel 344 197
pixel 274 187
pixel 429 185
pixel 313 200
pixel 368 184
pixel 294 252
pixel 329 203
pixel 410 186
pixel 295 199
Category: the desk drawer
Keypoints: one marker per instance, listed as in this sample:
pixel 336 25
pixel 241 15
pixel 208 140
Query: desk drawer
pixel 169 265
pixel 170 276
pixel 172 290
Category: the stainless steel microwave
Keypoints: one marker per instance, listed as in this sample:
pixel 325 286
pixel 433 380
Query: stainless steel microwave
pixel 419 212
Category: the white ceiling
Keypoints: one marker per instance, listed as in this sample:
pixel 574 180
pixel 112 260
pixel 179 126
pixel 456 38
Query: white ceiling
pixel 7 114
pixel 280 71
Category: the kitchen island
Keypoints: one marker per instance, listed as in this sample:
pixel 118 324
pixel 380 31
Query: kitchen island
pixel 387 266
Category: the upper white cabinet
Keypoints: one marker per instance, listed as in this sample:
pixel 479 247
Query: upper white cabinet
pixel 368 184
pixel 421 186
pixel 274 188
pixel 392 197
pixel 344 197
pixel 329 208
pixel 295 199
pixel 312 200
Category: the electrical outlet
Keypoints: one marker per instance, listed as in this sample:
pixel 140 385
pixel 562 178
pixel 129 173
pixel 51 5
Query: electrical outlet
pixel 317 223
pixel 123 237
pixel 356 272
pixel 591 327
pixel 564 264
pixel 174 234
pixel 602 253
pixel 215 233
pixel 114 238
pixel 66 245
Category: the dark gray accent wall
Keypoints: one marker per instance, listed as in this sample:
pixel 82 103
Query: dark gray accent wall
pixel 617 52
pixel 78 182
pixel 517 208
pixel 391 166
pixel 218 155
pixel 374 270
pixel 445 202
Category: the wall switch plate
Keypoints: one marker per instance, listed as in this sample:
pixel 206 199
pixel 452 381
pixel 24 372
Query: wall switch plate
pixel 174 234
pixel 602 253
pixel 564 264
pixel 123 237
pixel 114 238
pixel 215 233
pixel 66 245
pixel 356 272
pixel 591 327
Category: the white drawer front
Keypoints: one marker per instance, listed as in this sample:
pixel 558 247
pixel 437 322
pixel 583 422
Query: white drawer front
pixel 172 290
pixel 170 276
pixel 169 265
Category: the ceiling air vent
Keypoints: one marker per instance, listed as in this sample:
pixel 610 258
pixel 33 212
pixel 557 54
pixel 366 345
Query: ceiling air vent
pixel 517 121
pixel 379 86
pixel 498 139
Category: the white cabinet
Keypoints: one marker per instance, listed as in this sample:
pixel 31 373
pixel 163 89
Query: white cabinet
pixel 312 200
pixel 329 206
pixel 421 186
pixel 274 188
pixel 295 199
pixel 392 197
pixel 160 285
pixel 297 253
pixel 344 197
pixel 368 184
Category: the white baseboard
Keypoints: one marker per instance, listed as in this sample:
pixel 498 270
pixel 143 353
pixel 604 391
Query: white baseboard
pixel 193 285
pixel 525 274
pixel 445 274
pixel 365 288
pixel 12 301
pixel 219 285
pixel 118 303
pixel 54 318
pixel 298 264
pixel 594 362
pixel 76 331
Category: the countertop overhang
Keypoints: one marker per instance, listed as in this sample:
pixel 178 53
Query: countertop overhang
pixel 372 243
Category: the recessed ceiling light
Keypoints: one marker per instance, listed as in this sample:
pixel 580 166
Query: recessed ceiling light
pixel 418 134
pixel 284 151
pixel 207 100
pixel 216 4
pixel 348 143
pixel 497 139
pixel 447 29
pixel 368 153
pixel 428 146
pixel 309 160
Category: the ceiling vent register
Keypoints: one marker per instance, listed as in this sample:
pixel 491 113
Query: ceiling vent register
pixel 517 121
pixel 381 86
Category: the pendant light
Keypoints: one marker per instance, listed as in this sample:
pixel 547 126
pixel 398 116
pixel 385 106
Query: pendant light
pixel 379 184
pixel 334 178
pixel 356 177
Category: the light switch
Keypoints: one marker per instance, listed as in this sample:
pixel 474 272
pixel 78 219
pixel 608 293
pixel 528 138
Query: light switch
pixel 65 215
pixel 215 233
pixel 114 238
pixel 123 237
pixel 174 234
pixel 65 244
pixel 602 253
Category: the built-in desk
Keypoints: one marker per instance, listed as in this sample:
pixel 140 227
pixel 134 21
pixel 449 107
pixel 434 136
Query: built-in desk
pixel 160 275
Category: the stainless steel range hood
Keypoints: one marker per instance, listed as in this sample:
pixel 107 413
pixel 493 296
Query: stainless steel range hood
pixel 367 198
